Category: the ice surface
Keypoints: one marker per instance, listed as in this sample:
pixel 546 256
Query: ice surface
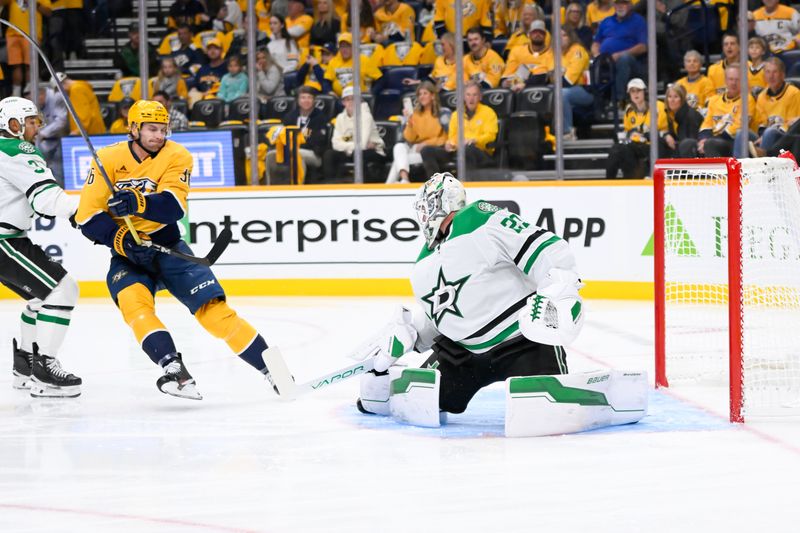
pixel 124 457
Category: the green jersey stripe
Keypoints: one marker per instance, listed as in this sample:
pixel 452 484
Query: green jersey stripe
pixel 40 191
pixel 53 319
pixel 27 265
pixel 500 337
pixel 28 319
pixel 539 249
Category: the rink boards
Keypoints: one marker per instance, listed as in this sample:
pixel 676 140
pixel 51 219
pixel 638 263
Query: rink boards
pixel 346 240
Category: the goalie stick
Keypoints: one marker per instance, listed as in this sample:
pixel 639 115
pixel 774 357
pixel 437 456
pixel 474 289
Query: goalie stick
pixel 289 389
pixel 223 239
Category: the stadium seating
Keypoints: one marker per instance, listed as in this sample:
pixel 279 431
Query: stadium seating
pixel 211 112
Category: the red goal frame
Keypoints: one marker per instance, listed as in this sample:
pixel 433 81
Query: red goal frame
pixel 735 310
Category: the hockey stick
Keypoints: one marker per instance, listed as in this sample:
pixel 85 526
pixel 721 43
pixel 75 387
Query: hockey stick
pixel 285 383
pixel 219 245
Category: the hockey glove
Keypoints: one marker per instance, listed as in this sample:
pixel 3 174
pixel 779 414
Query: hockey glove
pixel 138 254
pixel 554 315
pixel 395 340
pixel 127 202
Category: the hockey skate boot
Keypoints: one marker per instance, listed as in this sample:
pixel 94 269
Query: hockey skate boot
pixel 23 361
pixel 177 381
pixel 49 380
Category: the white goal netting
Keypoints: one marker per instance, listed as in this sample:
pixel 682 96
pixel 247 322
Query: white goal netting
pixel 696 281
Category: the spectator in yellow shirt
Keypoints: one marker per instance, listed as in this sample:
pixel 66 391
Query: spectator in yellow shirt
pixel 699 88
pixel 531 64
pixel 340 70
pixel 730 53
pixel 528 14
pixel 756 50
pixel 120 125
pixel 475 13
pixel 298 23
pixel 394 21
pixel 422 129
pixel 366 18
pixel 778 104
pixel 85 103
pixel 482 64
pixel 597 10
pixel 480 130
pixel 444 69
pixel 19 51
pixel 633 154
pixel 575 62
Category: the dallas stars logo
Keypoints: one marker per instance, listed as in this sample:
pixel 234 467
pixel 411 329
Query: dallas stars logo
pixel 443 298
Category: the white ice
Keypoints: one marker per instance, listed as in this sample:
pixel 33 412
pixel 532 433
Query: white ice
pixel 124 457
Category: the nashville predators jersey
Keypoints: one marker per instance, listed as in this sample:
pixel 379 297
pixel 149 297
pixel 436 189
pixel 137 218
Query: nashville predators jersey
pixel 637 123
pixel 698 90
pixel 402 20
pixel 780 108
pixel 725 115
pixel 473 12
pixel 168 172
pixel 523 63
pixel 779 28
pixel 487 69
pixel 340 72
pixel 402 53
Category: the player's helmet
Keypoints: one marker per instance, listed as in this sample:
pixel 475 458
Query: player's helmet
pixel 18 109
pixel 147 111
pixel 438 197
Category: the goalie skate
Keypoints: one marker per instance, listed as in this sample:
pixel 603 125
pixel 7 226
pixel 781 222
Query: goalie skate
pixel 177 381
pixel 49 380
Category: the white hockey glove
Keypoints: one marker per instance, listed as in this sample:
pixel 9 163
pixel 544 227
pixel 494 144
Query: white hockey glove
pixel 554 315
pixel 394 341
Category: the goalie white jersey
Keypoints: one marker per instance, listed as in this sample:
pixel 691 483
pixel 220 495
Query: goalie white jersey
pixel 27 187
pixel 474 283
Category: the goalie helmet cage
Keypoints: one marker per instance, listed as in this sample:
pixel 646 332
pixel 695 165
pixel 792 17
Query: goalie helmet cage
pixel 729 314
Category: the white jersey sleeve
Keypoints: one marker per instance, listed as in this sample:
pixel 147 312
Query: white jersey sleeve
pixel 534 250
pixel 27 186
pixel 30 174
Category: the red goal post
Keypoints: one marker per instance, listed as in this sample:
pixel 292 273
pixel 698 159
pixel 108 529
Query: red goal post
pixel 727 280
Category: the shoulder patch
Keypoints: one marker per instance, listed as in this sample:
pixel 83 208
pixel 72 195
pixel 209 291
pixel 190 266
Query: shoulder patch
pixel 487 207
pixel 26 147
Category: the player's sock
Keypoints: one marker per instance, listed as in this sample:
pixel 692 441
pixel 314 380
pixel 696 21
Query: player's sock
pixel 222 322
pixel 159 347
pixel 252 354
pixel 28 325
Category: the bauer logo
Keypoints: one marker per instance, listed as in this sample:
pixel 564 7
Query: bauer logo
pixel 212 157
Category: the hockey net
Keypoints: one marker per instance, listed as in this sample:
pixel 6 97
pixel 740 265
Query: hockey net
pixel 727 276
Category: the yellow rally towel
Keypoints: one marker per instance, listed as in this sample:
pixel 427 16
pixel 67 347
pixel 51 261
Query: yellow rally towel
pixel 287 141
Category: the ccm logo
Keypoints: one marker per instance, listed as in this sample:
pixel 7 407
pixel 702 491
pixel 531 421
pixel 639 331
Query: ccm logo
pixel 202 286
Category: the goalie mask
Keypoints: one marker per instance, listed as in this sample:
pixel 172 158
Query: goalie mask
pixel 18 109
pixel 441 195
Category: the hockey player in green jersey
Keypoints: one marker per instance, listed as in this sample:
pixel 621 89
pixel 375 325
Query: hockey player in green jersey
pixel 497 300
pixel 475 281
pixel 27 188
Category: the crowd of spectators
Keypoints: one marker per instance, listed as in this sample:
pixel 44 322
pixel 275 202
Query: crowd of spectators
pixel 305 53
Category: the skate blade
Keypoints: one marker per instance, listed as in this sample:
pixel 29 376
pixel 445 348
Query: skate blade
pixel 42 390
pixel 188 391
pixel 21 382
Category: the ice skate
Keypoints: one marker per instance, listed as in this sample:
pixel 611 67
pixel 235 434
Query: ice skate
pixel 23 361
pixel 49 380
pixel 177 381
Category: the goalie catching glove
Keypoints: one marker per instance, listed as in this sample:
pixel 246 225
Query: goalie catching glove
pixel 554 315
pixel 395 340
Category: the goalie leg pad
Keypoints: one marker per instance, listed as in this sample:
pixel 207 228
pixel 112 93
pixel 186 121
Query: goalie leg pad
pixel 554 405
pixel 374 395
pixel 414 396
